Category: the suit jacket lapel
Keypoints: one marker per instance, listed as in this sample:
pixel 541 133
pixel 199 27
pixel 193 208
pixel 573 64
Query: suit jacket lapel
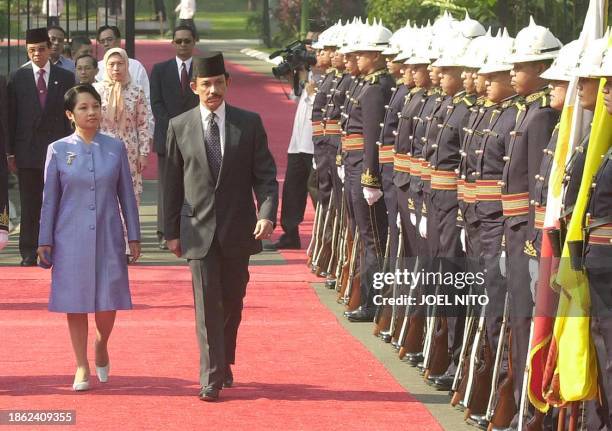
pixel 33 88
pixel 52 89
pixel 196 131
pixel 232 139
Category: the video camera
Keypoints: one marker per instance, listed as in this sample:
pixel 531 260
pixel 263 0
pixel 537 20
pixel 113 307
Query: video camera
pixel 295 56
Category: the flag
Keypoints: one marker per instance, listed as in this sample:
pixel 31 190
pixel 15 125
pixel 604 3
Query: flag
pixel 543 352
pixel 576 366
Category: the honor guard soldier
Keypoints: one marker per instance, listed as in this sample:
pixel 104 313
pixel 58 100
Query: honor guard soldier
pixel 399 94
pixel 597 258
pixel 324 154
pixel 363 179
pixel 559 75
pixel 485 159
pixel 534 49
pixel 444 205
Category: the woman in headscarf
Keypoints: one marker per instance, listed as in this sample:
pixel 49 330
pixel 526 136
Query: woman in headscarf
pixel 125 113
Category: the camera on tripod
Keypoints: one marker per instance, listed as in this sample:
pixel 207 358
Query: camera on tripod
pixel 295 56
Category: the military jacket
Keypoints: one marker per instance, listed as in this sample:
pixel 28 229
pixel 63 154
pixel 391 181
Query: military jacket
pixel 573 175
pixel 323 87
pixel 366 113
pixel 489 156
pixel 415 101
pixel 537 202
pixel 337 96
pixel 534 125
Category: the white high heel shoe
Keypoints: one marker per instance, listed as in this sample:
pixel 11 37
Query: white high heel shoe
pixel 80 386
pixel 102 373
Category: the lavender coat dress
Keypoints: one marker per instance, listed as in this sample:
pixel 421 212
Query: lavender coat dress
pixel 80 219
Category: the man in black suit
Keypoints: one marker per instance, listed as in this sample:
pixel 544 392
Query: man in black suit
pixel 217 157
pixel 171 96
pixel 36 118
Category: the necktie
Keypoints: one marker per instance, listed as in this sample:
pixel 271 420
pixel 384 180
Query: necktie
pixel 184 79
pixel 212 140
pixel 42 88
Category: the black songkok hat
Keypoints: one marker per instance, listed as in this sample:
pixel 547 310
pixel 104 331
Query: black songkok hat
pixel 37 35
pixel 210 64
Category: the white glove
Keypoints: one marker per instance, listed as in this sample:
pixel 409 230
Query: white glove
pixel 3 239
pixel 398 221
pixel 372 195
pixel 462 237
pixel 314 164
pixel 341 173
pixel 413 219
pixel 534 274
pixel 423 227
pixel 502 263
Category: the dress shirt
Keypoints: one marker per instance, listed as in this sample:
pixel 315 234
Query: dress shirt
pixel 301 136
pixel 66 64
pixel 47 69
pixel 220 120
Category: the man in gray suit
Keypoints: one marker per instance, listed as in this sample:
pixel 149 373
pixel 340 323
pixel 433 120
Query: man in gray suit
pixel 36 118
pixel 217 157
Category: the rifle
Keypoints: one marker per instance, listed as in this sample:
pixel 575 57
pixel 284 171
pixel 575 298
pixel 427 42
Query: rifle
pixel 435 354
pixel 481 364
pixel 410 338
pixel 321 258
pixel 500 415
pixel 347 251
pixel 312 247
pixel 352 295
pixel 384 313
pixel 524 398
pixel 334 261
pixel 465 365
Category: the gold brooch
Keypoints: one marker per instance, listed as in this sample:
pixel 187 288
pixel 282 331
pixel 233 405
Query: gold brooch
pixel 70 156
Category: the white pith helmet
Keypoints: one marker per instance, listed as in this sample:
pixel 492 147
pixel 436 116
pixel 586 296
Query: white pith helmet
pixel 534 43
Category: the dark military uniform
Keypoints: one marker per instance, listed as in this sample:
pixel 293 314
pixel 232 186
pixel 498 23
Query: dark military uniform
pixel 534 126
pixel 597 258
pixel 324 154
pixel 365 113
pixel 385 158
pixel 444 207
pixel 332 129
pixel 488 160
pixel 402 163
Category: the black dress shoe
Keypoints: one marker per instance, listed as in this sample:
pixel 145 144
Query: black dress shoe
pixel 362 315
pixel 444 382
pixel 228 381
pixel 163 245
pixel 386 336
pixel 330 283
pixel 479 421
pixel 288 243
pixel 430 380
pixel 413 359
pixel 421 367
pixel 209 393
pixel 29 261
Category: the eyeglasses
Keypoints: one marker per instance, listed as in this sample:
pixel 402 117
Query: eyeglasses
pixel 183 41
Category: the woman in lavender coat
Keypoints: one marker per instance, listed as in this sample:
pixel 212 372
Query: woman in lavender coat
pixel 87 185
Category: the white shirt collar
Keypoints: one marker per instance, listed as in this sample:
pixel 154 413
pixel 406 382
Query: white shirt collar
pixel 220 112
pixel 47 68
pixel 180 62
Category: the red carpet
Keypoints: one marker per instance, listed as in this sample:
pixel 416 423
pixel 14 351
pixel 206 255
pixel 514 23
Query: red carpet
pixel 297 368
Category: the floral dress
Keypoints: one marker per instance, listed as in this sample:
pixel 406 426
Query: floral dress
pixel 138 131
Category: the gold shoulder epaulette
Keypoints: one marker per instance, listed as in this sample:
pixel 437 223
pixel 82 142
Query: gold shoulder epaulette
pixel 331 70
pixel 458 98
pixel 374 77
pixel 369 180
pixel 469 100
pixel 399 81
pixel 488 103
pixel 542 95
pixel 414 90
pixel 411 204
pixel 481 100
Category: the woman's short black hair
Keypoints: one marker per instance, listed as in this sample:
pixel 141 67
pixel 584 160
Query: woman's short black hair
pixel 70 98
